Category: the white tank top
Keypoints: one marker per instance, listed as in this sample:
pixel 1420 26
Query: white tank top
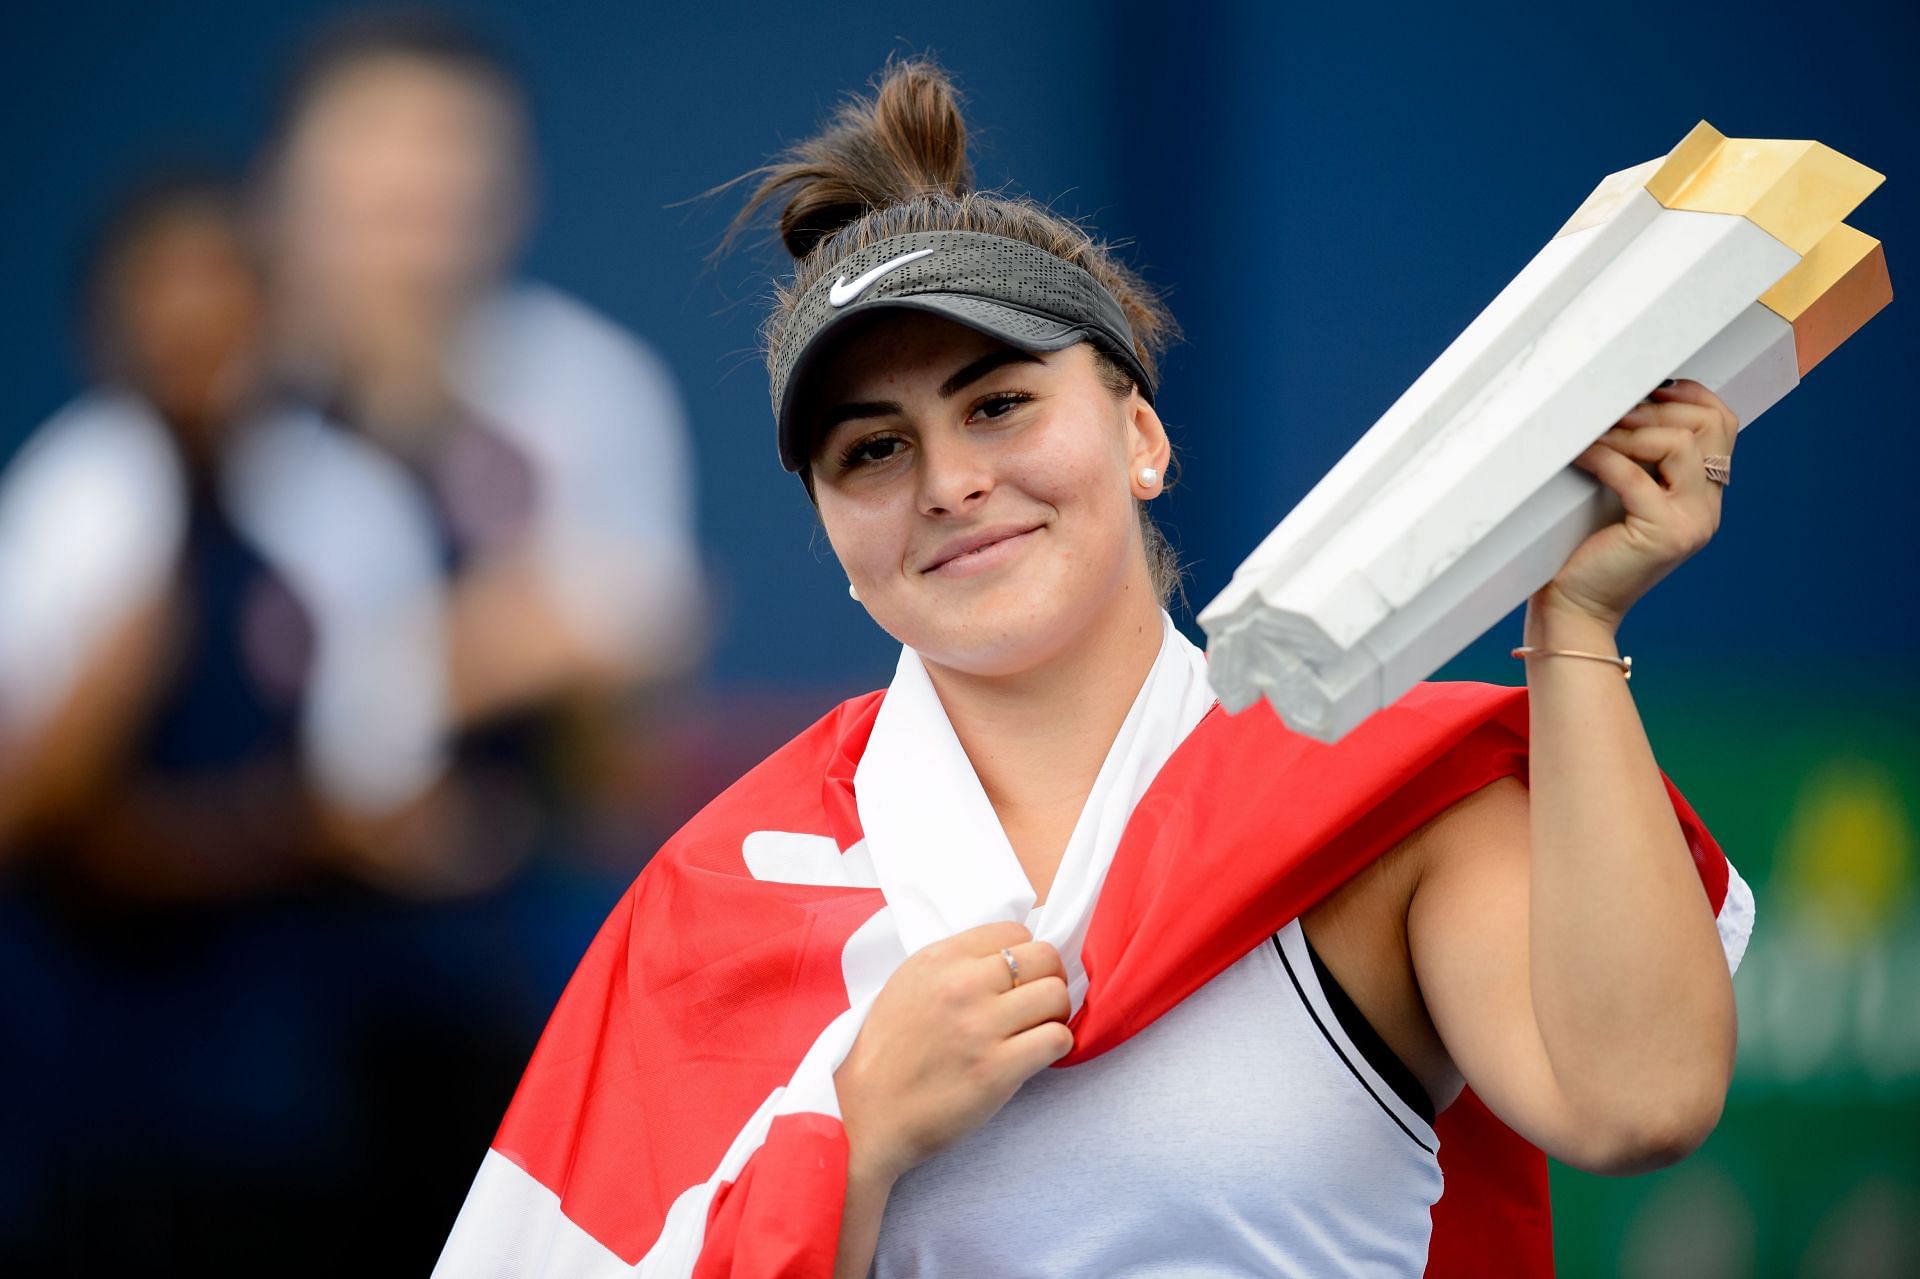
pixel 1243 1133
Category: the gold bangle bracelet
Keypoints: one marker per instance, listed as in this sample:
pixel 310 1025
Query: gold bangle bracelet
pixel 1624 663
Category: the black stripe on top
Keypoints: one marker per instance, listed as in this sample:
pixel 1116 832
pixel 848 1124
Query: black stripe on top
pixel 1385 1061
pixel 1397 1075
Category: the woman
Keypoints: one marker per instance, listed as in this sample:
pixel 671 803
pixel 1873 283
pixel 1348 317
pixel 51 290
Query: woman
pixel 1277 961
pixel 127 694
pixel 547 447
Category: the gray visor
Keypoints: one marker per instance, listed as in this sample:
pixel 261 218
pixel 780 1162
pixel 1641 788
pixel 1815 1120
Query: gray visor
pixel 1006 289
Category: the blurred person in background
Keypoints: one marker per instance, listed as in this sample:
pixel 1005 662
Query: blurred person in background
pixel 548 449
pixel 302 613
pixel 208 609
pixel 169 1009
pixel 110 542
pixel 171 668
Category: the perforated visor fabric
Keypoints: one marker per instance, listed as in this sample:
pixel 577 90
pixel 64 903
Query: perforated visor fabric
pixel 1007 289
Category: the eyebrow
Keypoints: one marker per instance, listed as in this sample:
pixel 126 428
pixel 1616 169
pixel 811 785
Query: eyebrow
pixel 960 381
pixel 984 365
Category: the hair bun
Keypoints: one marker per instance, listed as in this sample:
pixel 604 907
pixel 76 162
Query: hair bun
pixel 907 139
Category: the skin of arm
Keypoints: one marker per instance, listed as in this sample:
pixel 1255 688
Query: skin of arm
pixel 510 645
pixel 46 774
pixel 868 1190
pixel 509 642
pixel 245 828
pixel 1564 946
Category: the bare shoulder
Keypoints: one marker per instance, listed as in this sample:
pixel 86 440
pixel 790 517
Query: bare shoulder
pixel 1469 862
pixel 1484 822
pixel 1470 853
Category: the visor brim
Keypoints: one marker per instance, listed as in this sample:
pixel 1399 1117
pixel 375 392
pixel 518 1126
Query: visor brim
pixel 1020 329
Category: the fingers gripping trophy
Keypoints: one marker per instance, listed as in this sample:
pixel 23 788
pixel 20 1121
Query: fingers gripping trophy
pixel 1576 440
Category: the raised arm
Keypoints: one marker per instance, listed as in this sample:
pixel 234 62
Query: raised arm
pixel 1563 943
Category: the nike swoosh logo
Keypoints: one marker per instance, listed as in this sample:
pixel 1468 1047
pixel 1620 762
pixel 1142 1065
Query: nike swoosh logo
pixel 843 292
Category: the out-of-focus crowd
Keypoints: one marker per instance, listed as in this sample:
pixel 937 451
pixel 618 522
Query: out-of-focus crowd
pixel 319 615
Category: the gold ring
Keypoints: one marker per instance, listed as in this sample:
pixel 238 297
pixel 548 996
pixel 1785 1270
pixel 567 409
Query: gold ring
pixel 1013 966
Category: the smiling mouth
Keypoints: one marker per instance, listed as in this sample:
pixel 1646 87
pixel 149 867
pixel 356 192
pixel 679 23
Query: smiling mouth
pixel 984 556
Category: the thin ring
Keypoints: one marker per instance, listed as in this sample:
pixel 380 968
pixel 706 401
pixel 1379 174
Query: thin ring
pixel 1013 966
pixel 1719 468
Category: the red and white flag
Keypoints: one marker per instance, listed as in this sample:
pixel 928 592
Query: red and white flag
pixel 678 1117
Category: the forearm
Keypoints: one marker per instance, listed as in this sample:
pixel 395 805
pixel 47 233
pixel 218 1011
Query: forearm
pixel 54 769
pixel 509 646
pixel 1629 986
pixel 866 1204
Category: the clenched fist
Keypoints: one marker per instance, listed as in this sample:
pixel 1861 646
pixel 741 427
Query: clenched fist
pixel 948 1042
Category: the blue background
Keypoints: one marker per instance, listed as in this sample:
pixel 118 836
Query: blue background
pixel 1329 194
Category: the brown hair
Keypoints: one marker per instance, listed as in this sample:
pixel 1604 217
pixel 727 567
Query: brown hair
pixel 896 162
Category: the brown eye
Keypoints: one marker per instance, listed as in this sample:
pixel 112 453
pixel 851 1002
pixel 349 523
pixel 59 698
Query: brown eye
pixel 995 406
pixel 876 449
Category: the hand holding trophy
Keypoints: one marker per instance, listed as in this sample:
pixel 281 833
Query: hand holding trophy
pixel 1724 265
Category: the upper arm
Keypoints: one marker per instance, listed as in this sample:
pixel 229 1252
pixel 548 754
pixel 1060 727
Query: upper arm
pixel 92 514
pixel 1468 931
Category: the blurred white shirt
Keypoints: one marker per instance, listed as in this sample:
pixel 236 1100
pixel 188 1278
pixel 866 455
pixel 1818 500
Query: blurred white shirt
pixel 93 516
pixel 600 419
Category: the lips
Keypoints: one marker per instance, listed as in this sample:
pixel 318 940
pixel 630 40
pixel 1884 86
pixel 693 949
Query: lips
pixel 973 547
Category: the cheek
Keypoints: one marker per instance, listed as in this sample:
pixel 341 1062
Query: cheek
pixel 868 536
pixel 1078 467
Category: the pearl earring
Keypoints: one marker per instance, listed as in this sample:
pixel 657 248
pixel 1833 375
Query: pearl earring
pixel 1149 478
pixel 853 592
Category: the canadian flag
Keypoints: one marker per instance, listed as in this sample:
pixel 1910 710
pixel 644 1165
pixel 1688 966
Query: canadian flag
pixel 678 1117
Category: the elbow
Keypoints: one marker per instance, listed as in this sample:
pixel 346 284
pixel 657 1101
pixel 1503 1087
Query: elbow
pixel 1658 1135
pixel 1662 1107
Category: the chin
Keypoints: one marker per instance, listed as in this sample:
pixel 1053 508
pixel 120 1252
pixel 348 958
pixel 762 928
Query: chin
pixel 1014 627
pixel 1003 656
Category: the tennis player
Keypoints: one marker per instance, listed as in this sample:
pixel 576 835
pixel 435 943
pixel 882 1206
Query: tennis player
pixel 1322 1007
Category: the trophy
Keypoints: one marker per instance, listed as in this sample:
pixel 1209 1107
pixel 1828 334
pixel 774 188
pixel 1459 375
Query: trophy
pixel 1726 261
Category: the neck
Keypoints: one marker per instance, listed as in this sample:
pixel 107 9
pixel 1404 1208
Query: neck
pixel 1037 739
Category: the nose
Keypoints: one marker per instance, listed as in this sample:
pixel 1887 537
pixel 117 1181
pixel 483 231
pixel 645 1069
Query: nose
pixel 954 476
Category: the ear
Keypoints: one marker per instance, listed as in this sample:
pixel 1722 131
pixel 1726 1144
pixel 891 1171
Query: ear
pixel 1147 446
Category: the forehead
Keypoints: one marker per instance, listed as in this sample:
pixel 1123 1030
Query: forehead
pixel 893 349
pixel 382 91
pixel 192 237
